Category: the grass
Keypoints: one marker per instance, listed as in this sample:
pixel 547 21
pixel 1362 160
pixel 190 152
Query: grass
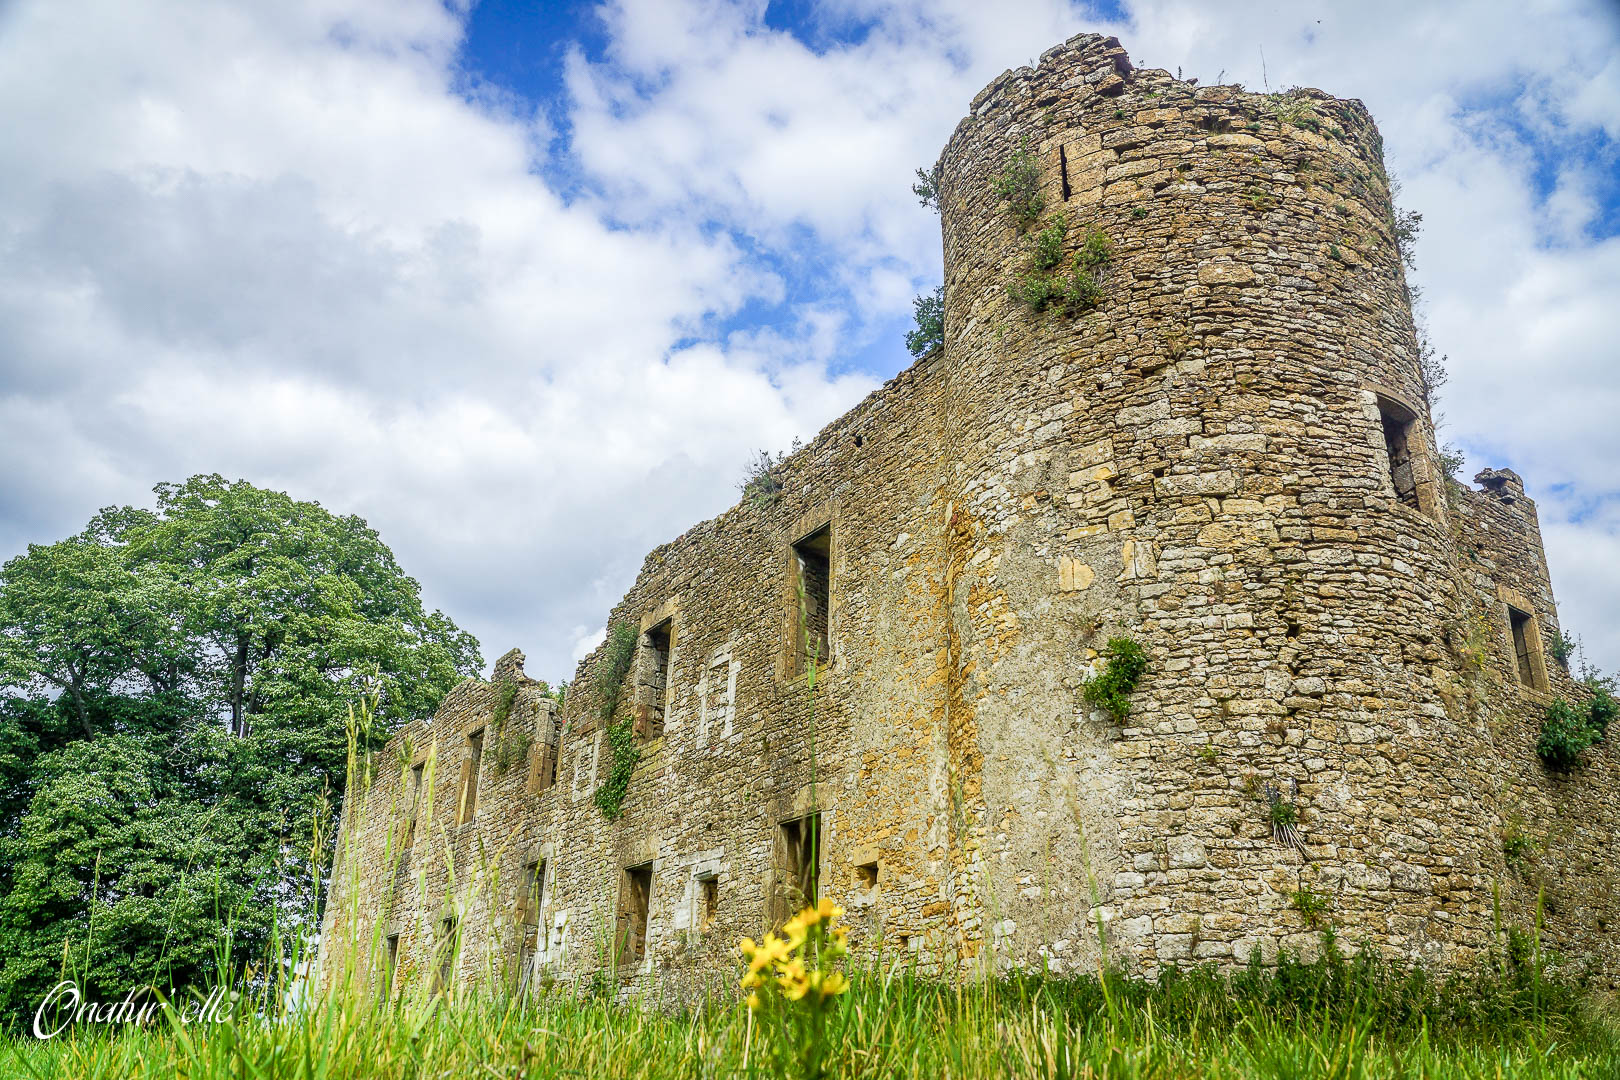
pixel 1517 1014
pixel 1336 1017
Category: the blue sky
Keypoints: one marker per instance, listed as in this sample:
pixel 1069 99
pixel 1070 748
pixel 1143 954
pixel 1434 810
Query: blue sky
pixel 525 284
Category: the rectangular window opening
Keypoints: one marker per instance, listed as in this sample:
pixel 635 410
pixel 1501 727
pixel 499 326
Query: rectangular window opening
pixel 469 776
pixel 866 876
pixel 414 805
pixel 709 888
pixel 390 965
pixel 531 894
pixel 654 679
pixel 1519 622
pixel 635 901
pixel 1399 427
pixel 812 558
pixel 1063 172
pixel 447 962
pixel 798 860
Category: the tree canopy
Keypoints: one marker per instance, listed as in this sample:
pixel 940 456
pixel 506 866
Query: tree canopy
pixel 174 742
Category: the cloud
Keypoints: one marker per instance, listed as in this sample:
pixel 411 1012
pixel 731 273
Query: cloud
pixel 301 244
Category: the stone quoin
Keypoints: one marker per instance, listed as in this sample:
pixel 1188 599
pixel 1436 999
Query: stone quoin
pixel 1230 459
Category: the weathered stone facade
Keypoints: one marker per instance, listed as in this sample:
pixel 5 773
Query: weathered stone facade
pixel 1230 460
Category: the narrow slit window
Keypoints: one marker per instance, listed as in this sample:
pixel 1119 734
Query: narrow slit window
pixel 709 889
pixel 447 961
pixel 1063 172
pixel 635 902
pixel 1520 624
pixel 653 679
pixel 798 860
pixel 1399 439
pixel 469 778
pixel 390 965
pixel 532 892
pixel 812 561
pixel 413 808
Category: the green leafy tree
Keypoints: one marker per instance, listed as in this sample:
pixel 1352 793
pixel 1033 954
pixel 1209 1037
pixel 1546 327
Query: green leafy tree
pixel 929 333
pixel 175 741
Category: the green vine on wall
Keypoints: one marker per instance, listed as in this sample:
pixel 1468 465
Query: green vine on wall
pixel 509 745
pixel 1110 689
pixel 610 677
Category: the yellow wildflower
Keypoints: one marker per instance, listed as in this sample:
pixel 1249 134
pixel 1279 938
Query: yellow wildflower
pixel 827 909
pixel 753 1001
pixel 831 983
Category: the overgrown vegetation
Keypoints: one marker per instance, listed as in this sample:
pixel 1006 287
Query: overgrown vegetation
pixel 1019 187
pixel 1569 730
pixel 1045 284
pixel 1312 905
pixel 619 653
pixel 927 187
pixel 761 484
pixel 929 313
pixel 174 688
pixel 1111 688
pixel 1517 1016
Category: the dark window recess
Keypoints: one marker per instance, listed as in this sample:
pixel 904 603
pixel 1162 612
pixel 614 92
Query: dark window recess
pixel 709 887
pixel 635 900
pixel 812 558
pixel 447 961
pixel 469 776
pixel 414 805
pixel 866 876
pixel 390 965
pixel 798 860
pixel 1519 622
pixel 531 891
pixel 652 678
pixel 1398 438
pixel 548 770
pixel 1063 172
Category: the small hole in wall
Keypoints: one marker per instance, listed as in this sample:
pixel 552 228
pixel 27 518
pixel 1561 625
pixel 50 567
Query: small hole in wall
pixel 857 440
pixel 866 875
pixel 905 942
pixel 1293 628
pixel 1158 474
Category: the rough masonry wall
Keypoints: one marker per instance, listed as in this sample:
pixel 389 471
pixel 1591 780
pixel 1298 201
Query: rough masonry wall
pixel 1201 464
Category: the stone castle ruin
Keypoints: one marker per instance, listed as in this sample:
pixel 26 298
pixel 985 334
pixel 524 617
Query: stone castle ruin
pixel 1192 415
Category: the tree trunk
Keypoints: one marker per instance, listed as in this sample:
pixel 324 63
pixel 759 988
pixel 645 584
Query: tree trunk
pixel 238 685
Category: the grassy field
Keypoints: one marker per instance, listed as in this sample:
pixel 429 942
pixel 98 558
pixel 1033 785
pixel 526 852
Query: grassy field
pixel 1335 1017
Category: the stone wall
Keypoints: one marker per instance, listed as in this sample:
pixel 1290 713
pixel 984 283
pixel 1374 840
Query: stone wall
pixel 1202 463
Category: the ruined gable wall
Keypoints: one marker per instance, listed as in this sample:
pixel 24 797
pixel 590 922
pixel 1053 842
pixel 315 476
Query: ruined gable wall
pixel 467 870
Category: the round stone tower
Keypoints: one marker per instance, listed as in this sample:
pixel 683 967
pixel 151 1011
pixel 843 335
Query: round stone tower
pixel 1187 408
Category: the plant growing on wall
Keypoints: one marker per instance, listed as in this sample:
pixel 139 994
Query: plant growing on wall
pixel 1045 284
pixel 1019 187
pixel 929 334
pixel 610 676
pixel 1568 730
pixel 927 187
pixel 760 485
pixel 1110 689
pixel 1312 905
